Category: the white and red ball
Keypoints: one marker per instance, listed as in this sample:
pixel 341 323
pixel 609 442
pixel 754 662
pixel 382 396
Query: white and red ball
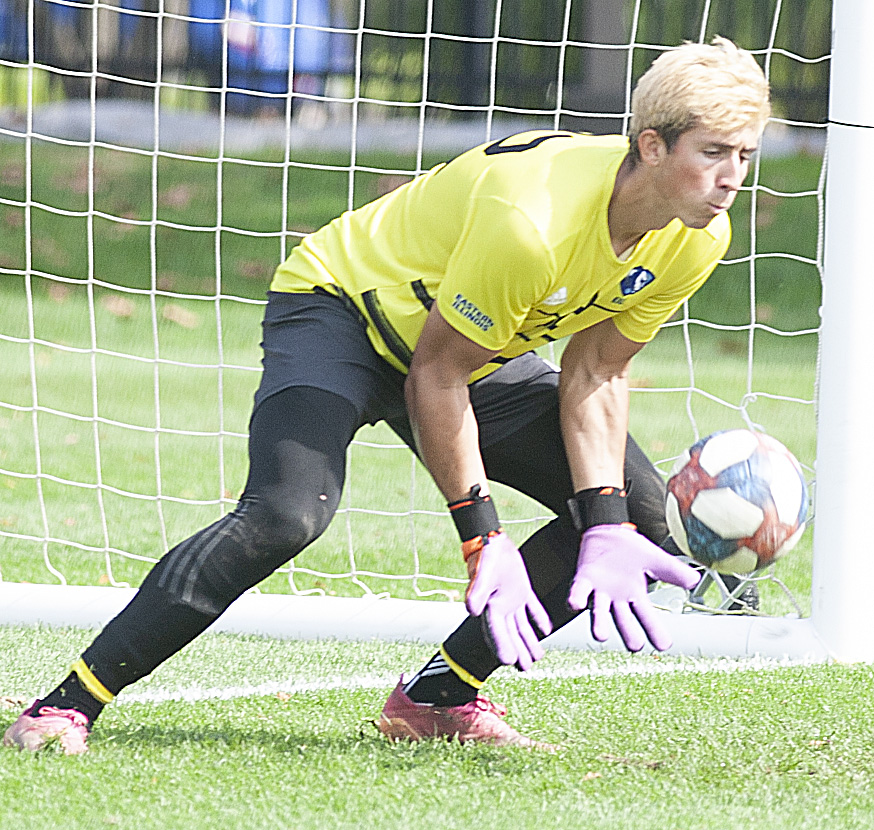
pixel 736 501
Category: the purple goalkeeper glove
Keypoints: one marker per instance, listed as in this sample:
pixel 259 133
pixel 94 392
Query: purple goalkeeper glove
pixel 501 593
pixel 612 567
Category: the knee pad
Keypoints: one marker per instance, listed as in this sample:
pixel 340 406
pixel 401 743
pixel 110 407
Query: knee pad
pixel 278 528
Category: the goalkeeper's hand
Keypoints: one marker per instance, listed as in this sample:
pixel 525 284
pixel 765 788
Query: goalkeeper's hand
pixel 500 593
pixel 612 567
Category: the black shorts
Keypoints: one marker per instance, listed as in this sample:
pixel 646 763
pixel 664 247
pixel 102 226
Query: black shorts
pixel 317 340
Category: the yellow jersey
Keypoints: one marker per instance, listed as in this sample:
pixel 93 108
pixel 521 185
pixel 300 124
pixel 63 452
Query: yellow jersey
pixel 511 240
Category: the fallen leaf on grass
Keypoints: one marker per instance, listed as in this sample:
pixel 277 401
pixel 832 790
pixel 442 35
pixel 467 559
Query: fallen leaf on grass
pixel 12 174
pixel 178 196
pixel 388 182
pixel 59 292
pixel 13 218
pixel 181 316
pixel 118 306
pixel 764 312
pixel 167 281
pixel 254 269
pixel 727 345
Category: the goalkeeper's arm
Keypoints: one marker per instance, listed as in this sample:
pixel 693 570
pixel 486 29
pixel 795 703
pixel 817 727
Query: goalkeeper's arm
pixel 614 560
pixel 438 403
pixel 447 438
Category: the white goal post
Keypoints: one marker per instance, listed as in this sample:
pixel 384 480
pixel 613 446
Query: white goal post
pixel 843 569
pixel 338 105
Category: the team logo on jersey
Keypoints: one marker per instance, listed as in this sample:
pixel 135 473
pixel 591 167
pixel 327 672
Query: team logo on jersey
pixel 636 280
pixel 557 297
pixel 470 312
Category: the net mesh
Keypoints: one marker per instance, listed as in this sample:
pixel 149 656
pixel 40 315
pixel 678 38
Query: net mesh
pixel 157 160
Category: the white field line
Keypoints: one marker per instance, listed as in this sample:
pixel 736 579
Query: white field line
pixel 195 694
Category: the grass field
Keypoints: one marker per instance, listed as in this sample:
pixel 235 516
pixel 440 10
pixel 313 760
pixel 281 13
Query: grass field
pixel 114 331
pixel 249 733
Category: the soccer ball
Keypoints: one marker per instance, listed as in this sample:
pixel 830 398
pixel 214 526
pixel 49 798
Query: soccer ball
pixel 736 501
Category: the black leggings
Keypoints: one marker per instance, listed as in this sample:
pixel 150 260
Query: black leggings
pixel 297 448
pixel 297 455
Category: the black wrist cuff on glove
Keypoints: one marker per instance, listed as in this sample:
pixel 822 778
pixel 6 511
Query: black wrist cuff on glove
pixel 598 506
pixel 474 515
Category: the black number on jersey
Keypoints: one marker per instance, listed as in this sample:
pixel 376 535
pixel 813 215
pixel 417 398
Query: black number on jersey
pixel 499 146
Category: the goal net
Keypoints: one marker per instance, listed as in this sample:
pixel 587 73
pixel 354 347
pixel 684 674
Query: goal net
pixel 158 158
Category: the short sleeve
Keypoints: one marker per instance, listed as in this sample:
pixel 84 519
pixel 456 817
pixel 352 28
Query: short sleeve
pixel 642 321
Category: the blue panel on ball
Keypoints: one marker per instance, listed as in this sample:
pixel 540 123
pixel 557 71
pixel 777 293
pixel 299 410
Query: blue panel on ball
pixel 707 545
pixel 749 479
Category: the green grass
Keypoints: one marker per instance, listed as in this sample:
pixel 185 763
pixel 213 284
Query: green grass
pixel 646 743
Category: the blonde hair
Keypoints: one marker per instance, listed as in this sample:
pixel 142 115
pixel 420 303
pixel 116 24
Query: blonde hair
pixel 716 86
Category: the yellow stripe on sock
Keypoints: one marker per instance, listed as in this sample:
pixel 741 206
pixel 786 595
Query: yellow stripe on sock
pixel 463 673
pixel 95 688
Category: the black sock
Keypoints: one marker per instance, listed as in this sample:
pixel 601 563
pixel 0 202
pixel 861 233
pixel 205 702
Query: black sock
pixel 438 685
pixel 71 694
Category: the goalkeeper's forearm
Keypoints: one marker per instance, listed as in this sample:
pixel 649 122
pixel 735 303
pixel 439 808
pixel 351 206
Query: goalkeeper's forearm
pixel 447 436
pixel 438 403
pixel 593 402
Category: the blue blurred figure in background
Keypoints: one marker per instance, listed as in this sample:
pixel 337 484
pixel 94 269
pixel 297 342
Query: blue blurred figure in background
pixel 262 37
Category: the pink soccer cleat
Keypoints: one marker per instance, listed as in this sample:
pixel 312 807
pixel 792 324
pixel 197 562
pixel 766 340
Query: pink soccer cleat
pixel 38 725
pixel 480 721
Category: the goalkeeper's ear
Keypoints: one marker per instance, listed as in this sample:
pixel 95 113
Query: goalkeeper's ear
pixel 651 148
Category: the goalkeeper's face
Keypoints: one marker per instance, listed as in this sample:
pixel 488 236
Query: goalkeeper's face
pixel 699 177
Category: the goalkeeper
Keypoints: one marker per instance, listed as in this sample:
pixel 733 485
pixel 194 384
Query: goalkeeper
pixel 423 309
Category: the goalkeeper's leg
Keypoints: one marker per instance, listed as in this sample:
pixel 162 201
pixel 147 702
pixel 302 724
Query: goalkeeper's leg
pixel 297 448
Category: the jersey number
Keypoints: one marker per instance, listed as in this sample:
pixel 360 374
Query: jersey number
pixel 500 147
